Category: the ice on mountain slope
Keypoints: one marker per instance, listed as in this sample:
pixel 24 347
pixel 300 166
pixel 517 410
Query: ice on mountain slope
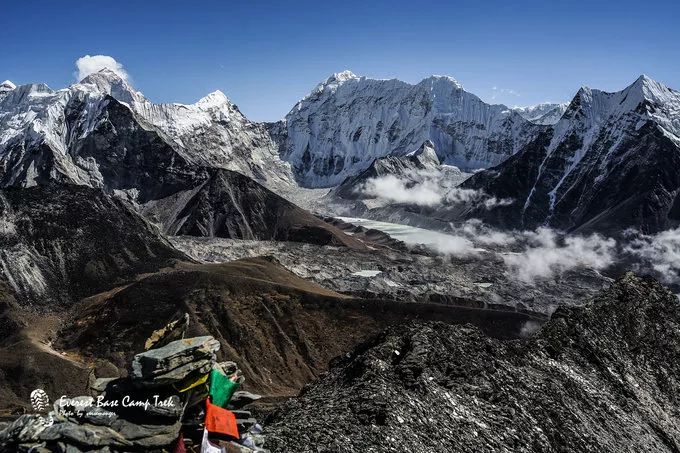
pixel 211 132
pixel 610 161
pixel 546 113
pixel 6 86
pixel 348 121
pixel 33 115
pixel 595 115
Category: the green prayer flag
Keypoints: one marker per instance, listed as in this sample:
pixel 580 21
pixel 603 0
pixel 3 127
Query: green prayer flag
pixel 221 388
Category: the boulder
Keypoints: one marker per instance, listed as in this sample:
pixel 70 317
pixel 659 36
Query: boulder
pixel 175 361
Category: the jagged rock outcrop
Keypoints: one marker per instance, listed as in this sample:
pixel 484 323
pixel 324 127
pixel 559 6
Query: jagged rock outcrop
pixel 602 377
pixel 348 121
pixel 609 164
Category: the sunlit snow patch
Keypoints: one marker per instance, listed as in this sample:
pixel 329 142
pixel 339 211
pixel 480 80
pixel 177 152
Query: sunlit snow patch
pixel 366 273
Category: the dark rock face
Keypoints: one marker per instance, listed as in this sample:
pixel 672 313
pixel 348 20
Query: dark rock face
pixel 603 377
pixel 230 205
pixel 637 186
pixel 117 153
pixel 64 242
pixel 131 157
pixel 609 164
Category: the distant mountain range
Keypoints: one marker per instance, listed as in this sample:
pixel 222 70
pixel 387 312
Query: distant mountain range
pixel 348 121
pixel 605 161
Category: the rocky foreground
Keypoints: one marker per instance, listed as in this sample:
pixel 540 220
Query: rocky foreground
pixel 603 378
pixel 177 396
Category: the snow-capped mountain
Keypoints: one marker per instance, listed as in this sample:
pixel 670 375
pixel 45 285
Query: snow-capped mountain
pixel 6 87
pixel 421 166
pixel 610 163
pixel 348 121
pixel 211 132
pixel 545 113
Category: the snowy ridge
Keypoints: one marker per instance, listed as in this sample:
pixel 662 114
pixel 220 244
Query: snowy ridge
pixel 610 162
pixel 346 122
pixel 546 113
pixel 211 132
pixel 596 115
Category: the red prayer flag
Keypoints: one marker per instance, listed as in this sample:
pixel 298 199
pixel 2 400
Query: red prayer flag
pixel 179 446
pixel 220 421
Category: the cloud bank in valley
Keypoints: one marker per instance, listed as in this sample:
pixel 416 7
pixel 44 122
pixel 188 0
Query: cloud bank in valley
pixel 427 188
pixel 547 254
pixel 532 256
pixel 391 188
pixel 90 64
pixel 659 252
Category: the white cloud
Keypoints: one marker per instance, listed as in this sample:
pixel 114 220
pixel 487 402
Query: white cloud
pixel 427 189
pixel 391 188
pixel 506 91
pixel 457 246
pixel 89 64
pixel 659 253
pixel 482 234
pixel 548 254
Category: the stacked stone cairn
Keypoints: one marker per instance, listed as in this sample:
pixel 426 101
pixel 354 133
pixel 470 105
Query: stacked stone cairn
pixel 162 406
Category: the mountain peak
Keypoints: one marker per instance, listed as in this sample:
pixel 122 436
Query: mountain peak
pixel 336 80
pixel 105 74
pixel 448 80
pixel 7 85
pixel 342 76
pixel 426 153
pixel 110 82
pixel 644 79
pixel 647 88
pixel 214 99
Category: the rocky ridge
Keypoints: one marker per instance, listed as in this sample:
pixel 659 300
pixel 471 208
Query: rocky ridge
pixel 607 165
pixel 601 377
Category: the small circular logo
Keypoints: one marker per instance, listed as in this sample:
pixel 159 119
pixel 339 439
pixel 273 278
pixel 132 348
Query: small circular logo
pixel 39 400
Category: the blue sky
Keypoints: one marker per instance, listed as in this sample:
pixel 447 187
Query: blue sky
pixel 267 55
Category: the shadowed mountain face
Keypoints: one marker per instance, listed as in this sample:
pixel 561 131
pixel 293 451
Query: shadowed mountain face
pixel 602 377
pixel 63 242
pixel 609 164
pixel 112 150
pixel 230 205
